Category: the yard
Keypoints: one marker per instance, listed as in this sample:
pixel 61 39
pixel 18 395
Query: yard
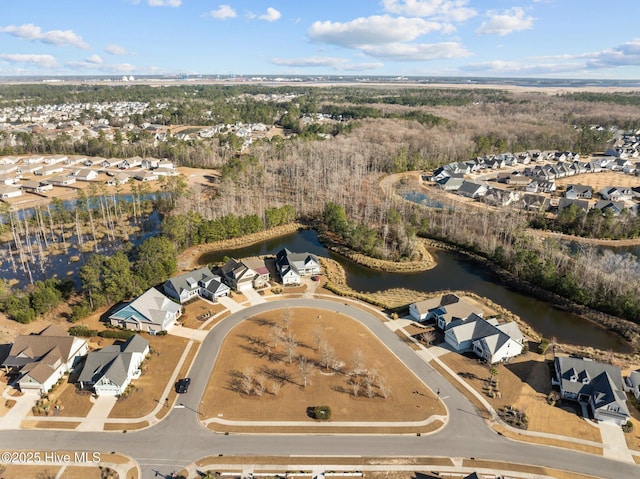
pixel 197 312
pixel 148 390
pixel 524 383
pixel 255 379
pixel 600 180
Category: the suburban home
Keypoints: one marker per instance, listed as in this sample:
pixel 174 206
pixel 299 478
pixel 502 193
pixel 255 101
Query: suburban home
pixel 491 341
pixel 575 192
pixel 111 163
pixel 262 272
pixel 443 310
pixel 533 202
pixel 86 174
pixel 237 275
pixel 118 179
pixel 152 311
pixel 150 163
pixel 49 170
pixel 36 186
pixel 145 176
pixel 613 207
pixel 7 192
pixel 597 385
pixel 451 183
pixel 582 205
pixel 61 180
pixel 200 282
pixel 110 370
pixel 632 383
pixel 616 193
pixel 28 168
pixel 470 189
pixel 39 360
pixel 500 197
pixel 292 266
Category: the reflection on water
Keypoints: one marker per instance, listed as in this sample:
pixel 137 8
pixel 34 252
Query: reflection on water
pixel 454 272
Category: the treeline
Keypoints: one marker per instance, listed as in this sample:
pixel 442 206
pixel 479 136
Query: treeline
pixel 591 224
pixel 39 298
pixel 395 241
pixel 616 98
pixel 125 274
pixel 185 230
pixel 432 97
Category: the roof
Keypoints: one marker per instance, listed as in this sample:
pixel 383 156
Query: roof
pixel 432 303
pixel 470 188
pixel 297 261
pixel 112 361
pixel 256 264
pixel 191 281
pixel 150 307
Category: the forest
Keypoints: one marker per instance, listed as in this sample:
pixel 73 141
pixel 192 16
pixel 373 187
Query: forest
pixel 335 179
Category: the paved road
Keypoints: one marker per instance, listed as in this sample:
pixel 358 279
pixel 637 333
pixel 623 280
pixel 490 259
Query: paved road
pixel 180 439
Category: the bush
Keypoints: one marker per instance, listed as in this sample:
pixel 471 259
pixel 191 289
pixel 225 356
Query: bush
pixel 82 331
pixel 322 413
pixel 116 334
pixel 161 333
pixel 543 346
pixel 628 427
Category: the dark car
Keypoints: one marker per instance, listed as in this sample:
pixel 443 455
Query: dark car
pixel 315 278
pixel 182 386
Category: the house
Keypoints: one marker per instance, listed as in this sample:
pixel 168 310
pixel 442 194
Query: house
pixel 7 192
pixel 443 310
pixel 469 189
pixel 500 197
pixel 517 179
pixel 49 170
pixel 533 202
pixel 575 192
pixel 152 311
pixel 237 275
pixel 582 205
pixel 61 180
pixel 597 385
pixel 110 370
pixel 451 183
pixel 616 193
pixel 145 176
pixel 150 163
pixel 632 383
pixel 40 360
pixel 258 265
pixel 491 341
pixel 201 282
pixel 292 266
pixel 111 163
pixel 36 186
pixel 118 179
pixel 86 174
pixel 613 207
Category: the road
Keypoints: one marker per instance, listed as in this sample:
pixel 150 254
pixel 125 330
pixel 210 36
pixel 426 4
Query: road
pixel 180 439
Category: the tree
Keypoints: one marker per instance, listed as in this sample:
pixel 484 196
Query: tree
pixel 305 370
pixel 276 386
pixel 286 319
pixel 428 337
pixel 328 355
pixel 291 343
pixel 155 260
pixel 318 335
pixel 357 361
pixel 246 381
pixel 385 389
pixel 277 334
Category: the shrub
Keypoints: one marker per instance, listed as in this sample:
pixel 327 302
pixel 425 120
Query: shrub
pixel 322 413
pixel 82 331
pixel 116 334
pixel 628 427
pixel 543 346
pixel 161 333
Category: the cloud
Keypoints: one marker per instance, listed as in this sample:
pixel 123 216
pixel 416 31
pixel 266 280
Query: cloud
pixel 164 3
pixel 41 61
pixel 416 51
pixel 626 54
pixel 453 10
pixel 509 21
pixel 32 32
pixel 223 12
pixel 113 49
pixel 271 15
pixel 95 59
pixel 335 63
pixel 375 30
pixel 96 64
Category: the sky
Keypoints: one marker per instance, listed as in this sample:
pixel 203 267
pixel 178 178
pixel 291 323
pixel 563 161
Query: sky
pixel 475 38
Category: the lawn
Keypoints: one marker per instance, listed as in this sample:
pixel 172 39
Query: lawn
pixel 72 404
pixel 197 312
pixel 254 379
pixel 633 438
pixel 524 383
pixel 157 369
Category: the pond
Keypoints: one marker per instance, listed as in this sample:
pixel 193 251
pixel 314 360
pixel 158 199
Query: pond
pixel 454 272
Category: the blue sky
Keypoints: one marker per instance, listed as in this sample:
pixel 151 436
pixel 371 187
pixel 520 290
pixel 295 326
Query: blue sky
pixel 504 38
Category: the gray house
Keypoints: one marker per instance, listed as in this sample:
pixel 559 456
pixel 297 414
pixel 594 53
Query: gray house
pixel 109 371
pixel 575 192
pixel 200 282
pixel 152 311
pixel 292 266
pixel 597 385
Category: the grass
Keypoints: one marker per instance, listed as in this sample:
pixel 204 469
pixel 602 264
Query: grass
pixel 249 345
pixel 547 441
pixel 312 429
pixel 193 349
pixel 72 403
pixel 50 424
pixel 193 315
pixel 633 438
pixel 338 461
pixel 524 384
pixel 124 426
pixel 217 320
pixel 157 370
pixel 537 470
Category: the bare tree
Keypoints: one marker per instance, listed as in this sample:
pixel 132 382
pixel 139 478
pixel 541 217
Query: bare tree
pixel 328 355
pixel 318 335
pixel 260 384
pixel 385 389
pixel 357 361
pixel 291 343
pixel 355 387
pixel 428 337
pixel 276 386
pixel 305 370
pixel 277 334
pixel 368 389
pixel 287 317
pixel 246 381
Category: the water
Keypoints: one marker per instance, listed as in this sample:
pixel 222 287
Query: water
pixel 453 272
pixel 421 199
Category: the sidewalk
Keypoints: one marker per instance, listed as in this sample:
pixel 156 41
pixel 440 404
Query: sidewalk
pixel 100 411
pixel 22 407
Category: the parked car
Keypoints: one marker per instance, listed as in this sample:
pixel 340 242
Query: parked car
pixel 315 278
pixel 182 386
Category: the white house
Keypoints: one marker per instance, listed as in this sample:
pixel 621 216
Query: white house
pixel 110 370
pixel 152 311
pixel 292 266
pixel 443 310
pixel 7 192
pixel 200 282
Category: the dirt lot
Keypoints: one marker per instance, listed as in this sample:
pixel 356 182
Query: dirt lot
pixel 599 180
pixel 156 371
pixel 524 384
pixel 250 351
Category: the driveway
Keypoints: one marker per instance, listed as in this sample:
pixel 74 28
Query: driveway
pixel 230 304
pixel 253 296
pixel 20 409
pixel 615 446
